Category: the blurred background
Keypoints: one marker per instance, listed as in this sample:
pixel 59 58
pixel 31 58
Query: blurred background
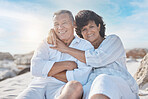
pixel 24 23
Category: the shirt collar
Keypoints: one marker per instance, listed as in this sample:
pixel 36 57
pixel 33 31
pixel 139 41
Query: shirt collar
pixel 76 40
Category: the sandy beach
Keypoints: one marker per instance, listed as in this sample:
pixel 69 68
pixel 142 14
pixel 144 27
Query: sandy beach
pixel 11 87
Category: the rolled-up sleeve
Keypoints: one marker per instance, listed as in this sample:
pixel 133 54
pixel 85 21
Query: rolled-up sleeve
pixel 69 75
pixel 40 63
pixel 109 51
pixel 81 74
pixel 83 71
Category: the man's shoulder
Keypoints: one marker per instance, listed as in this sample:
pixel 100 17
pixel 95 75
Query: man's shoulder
pixel 84 44
pixel 83 41
pixel 43 44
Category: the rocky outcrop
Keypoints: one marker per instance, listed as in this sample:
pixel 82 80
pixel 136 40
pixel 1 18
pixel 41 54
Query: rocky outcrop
pixel 23 59
pixel 24 70
pixel 141 75
pixel 7 74
pixel 19 65
pixel 6 56
pixel 136 53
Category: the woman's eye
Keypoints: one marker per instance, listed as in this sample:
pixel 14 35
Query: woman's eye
pixel 83 30
pixel 91 26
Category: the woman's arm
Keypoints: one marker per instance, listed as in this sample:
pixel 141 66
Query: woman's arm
pixel 111 50
pixel 60 46
pixel 78 54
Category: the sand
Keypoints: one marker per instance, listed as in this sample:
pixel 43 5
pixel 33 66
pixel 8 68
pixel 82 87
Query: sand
pixel 11 87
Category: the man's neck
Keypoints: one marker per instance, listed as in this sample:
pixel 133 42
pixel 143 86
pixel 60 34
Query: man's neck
pixel 68 42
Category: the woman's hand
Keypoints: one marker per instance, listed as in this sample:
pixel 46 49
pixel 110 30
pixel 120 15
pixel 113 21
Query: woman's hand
pixel 54 40
pixel 60 46
pixel 51 39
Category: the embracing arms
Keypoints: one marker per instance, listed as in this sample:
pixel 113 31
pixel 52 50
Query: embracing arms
pixel 110 50
pixel 43 66
pixel 62 66
pixel 60 46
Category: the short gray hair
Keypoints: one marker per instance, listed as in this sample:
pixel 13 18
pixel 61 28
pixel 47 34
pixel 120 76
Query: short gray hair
pixel 63 12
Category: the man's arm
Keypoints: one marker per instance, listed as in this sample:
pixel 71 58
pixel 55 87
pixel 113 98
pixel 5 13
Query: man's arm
pixel 61 76
pixel 62 66
pixel 42 66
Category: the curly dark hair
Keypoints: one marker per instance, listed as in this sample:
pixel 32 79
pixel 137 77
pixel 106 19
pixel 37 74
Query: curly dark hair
pixel 82 19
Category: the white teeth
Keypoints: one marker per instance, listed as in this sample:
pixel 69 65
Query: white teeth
pixel 90 35
pixel 62 32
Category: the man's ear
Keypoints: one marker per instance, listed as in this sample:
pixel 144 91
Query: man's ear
pixel 74 24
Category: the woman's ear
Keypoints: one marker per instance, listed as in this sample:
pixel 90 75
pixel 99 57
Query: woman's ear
pixel 74 24
pixel 99 26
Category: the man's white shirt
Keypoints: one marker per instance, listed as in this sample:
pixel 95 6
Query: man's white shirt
pixel 44 58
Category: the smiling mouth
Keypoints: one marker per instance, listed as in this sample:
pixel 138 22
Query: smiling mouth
pixel 62 32
pixel 90 35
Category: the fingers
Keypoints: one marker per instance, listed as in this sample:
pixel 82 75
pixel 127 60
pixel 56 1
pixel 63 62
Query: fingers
pixel 59 41
pixel 54 38
pixel 48 40
pixel 53 47
pixel 51 37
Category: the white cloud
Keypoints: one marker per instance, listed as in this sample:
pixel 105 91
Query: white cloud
pixel 27 23
pixel 29 28
pixel 143 4
pixel 133 29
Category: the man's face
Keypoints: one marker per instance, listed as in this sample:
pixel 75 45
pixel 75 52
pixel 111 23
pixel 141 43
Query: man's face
pixel 63 27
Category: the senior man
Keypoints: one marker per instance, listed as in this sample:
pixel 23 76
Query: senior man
pixel 53 70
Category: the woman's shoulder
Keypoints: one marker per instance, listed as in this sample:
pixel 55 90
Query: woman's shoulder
pixel 112 36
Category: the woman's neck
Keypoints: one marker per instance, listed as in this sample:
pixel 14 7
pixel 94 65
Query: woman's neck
pixel 97 42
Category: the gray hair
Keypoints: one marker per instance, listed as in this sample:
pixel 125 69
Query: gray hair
pixel 63 12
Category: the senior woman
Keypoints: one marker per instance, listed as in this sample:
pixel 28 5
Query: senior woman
pixel 109 78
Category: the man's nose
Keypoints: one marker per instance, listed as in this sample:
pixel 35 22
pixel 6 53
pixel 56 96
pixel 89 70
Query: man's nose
pixel 60 26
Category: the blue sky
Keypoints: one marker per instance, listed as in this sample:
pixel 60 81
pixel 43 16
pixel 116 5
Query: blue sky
pixel 24 23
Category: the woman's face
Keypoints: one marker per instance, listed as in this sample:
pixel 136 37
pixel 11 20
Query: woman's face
pixel 90 32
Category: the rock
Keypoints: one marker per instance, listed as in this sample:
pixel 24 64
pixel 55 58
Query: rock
pixel 141 75
pixel 27 69
pixel 6 74
pixel 6 56
pixel 23 59
pixel 136 53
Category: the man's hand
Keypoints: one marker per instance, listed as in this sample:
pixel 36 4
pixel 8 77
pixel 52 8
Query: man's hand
pixel 62 66
pixel 71 65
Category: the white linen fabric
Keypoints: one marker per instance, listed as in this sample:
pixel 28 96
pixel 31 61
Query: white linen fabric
pixel 112 86
pixel 43 60
pixel 110 58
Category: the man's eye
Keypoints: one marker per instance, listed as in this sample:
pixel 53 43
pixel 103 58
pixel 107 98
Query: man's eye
pixel 56 24
pixel 64 22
